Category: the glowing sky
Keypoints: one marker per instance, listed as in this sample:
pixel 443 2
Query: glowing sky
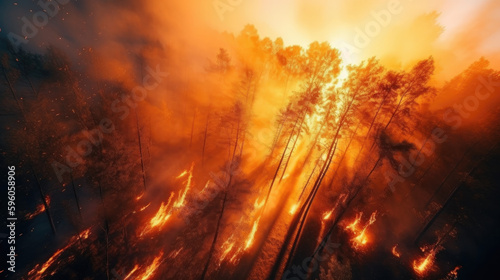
pixel 468 27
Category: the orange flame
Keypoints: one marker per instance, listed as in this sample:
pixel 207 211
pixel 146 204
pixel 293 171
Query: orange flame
pixel 454 272
pixel 181 199
pixel 84 234
pixel 175 253
pixel 39 209
pixel 294 208
pixel 327 215
pixel 424 264
pixel 151 269
pixel 362 238
pixel 395 251
pixel 227 247
pixel 160 218
pixel 251 236
pixel 165 212
pixel 136 267
pixel 144 208
pixel 354 225
pixel 182 174
pixel 257 204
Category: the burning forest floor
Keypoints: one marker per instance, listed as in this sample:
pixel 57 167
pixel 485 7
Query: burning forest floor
pixel 264 161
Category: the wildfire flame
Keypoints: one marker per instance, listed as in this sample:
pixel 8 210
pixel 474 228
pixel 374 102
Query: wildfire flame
pixel 39 209
pixel 165 211
pixel 327 215
pixel 182 198
pixel 83 235
pixel 144 208
pixel 160 218
pixel 454 272
pixel 182 174
pixel 175 253
pixel 424 264
pixel 227 247
pixel 361 238
pixel 136 267
pixel 395 251
pixel 257 204
pixel 294 208
pixel 151 269
pixel 354 225
pixel 251 236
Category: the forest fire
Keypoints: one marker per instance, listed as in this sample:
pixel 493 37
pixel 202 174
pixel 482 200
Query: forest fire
pixel 165 211
pixel 227 247
pixel 191 146
pixel 182 197
pixel 161 217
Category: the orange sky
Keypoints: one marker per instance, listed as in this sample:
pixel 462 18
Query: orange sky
pixel 469 28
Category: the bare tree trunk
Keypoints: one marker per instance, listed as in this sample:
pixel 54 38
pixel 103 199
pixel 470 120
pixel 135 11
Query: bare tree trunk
pixel 344 154
pixel 14 94
pixel 75 194
pixel 224 200
pixel 44 201
pixel 217 228
pixel 370 128
pixel 140 150
pixel 453 193
pixel 293 148
pixel 419 181
pixel 279 163
pixel 446 178
pixel 326 165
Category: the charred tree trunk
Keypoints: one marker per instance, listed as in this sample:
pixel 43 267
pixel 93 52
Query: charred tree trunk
pixel 453 193
pixel 293 148
pixel 44 201
pixel 279 163
pixel 75 194
pixel 224 201
pixel 371 126
pixel 344 154
pixel 140 150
